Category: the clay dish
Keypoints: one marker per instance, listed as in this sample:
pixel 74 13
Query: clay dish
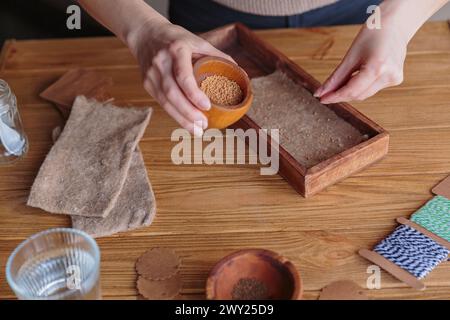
pixel 277 273
pixel 219 116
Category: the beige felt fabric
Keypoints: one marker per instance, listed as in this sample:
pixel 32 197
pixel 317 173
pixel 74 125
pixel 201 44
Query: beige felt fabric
pixel 134 208
pixel 84 172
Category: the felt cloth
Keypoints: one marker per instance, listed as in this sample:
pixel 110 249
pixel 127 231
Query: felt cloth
pixel 134 208
pixel 85 171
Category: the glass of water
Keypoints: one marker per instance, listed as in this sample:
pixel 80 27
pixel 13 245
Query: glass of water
pixel 56 264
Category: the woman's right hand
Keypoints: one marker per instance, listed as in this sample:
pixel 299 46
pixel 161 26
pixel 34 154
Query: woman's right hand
pixel 165 52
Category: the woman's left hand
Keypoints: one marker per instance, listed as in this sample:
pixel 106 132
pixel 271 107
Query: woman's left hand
pixel 374 62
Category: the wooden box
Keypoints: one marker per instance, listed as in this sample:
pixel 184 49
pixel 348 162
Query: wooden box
pixel 259 58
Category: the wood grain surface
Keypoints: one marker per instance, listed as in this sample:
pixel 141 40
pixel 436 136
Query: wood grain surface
pixel 206 212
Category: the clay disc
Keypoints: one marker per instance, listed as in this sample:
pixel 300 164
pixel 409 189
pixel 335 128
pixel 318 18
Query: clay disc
pixel 343 290
pixel 159 289
pixel 158 264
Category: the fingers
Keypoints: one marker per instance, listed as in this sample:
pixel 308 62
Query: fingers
pixel 353 89
pixel 340 76
pixel 366 83
pixel 170 80
pixel 166 91
pixel 154 78
pixel 184 75
pixel 172 91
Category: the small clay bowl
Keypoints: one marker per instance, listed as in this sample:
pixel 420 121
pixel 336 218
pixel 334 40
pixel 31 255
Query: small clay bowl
pixel 276 272
pixel 219 116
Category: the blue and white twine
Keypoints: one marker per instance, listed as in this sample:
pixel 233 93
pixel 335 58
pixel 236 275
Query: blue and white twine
pixel 412 251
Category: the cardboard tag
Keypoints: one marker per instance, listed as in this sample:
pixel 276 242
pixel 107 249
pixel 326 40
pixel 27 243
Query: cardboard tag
pixel 343 290
pixel 158 264
pixel 443 188
pixel 159 289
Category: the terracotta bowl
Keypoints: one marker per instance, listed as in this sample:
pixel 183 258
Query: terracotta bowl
pixel 219 116
pixel 276 272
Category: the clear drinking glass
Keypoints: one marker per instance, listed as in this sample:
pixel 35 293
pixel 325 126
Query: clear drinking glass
pixel 56 264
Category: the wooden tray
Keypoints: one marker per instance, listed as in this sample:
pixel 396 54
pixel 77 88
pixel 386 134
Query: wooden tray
pixel 259 58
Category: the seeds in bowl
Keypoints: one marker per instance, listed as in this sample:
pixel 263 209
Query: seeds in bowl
pixel 249 289
pixel 222 91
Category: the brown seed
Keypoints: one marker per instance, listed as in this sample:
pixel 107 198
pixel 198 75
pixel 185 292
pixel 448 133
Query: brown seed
pixel 222 90
pixel 159 289
pixel 158 264
pixel 249 289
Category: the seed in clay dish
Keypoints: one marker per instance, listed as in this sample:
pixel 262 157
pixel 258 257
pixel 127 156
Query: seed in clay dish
pixel 222 91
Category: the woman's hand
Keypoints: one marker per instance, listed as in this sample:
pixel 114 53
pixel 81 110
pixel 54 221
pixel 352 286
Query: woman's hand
pixel 165 52
pixel 376 58
pixel 375 61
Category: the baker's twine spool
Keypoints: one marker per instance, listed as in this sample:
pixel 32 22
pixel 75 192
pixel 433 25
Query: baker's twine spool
pixel 435 217
pixel 412 251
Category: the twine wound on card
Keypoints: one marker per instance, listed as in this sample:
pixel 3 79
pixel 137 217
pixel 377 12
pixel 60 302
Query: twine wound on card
pixel 412 251
pixel 418 245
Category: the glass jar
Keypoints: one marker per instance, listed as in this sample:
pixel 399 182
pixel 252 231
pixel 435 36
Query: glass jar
pixel 13 141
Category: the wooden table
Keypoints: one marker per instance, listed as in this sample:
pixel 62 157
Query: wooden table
pixel 205 212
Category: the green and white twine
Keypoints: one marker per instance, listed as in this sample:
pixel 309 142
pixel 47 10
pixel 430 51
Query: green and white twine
pixel 435 217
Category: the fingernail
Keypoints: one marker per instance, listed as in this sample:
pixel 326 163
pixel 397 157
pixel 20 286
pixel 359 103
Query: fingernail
pixel 201 123
pixel 318 92
pixel 205 103
pixel 198 128
pixel 198 131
